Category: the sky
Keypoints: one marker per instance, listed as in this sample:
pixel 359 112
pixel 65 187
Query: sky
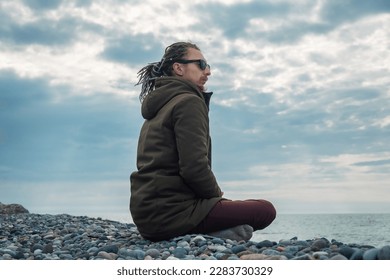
pixel 300 113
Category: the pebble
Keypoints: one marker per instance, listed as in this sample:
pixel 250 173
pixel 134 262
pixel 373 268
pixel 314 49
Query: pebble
pixel 65 237
pixel 180 252
pixel 346 251
pixel 371 254
pixel 238 248
pixel 319 244
pixel 357 255
pixel 339 257
pixel 153 253
pixel 384 253
pixel 265 243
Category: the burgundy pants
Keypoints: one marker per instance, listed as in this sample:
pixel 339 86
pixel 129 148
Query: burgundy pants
pixel 230 213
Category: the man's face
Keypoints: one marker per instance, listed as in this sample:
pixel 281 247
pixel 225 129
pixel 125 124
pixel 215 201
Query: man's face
pixel 192 71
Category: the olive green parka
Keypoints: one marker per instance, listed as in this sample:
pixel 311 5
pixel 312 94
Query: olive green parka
pixel 173 188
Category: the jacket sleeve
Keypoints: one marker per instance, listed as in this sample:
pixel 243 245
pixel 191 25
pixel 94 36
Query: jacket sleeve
pixel 191 126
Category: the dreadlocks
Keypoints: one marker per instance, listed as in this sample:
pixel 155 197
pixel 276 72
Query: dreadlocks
pixel 149 73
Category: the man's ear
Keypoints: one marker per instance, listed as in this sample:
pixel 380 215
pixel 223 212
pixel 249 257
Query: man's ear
pixel 177 68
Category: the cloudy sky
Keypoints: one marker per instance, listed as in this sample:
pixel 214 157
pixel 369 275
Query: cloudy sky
pixel 300 113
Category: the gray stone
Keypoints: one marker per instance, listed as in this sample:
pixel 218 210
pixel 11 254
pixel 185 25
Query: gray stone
pixel 219 256
pixel 104 255
pixel 183 244
pixel 291 249
pixel 198 239
pixel 254 257
pixel 180 253
pixel 238 248
pixel 140 254
pixel 66 257
pixel 218 241
pixel 319 244
pixel 286 242
pixel 37 252
pixel 136 254
pixel 319 255
pixel 172 258
pixel 93 250
pixel 110 249
pixel 8 209
pixel 7 257
pixel 165 255
pixel 122 252
pixel 217 248
pixel 357 255
pixel 371 254
pixel 36 247
pixel 339 257
pixel 154 253
pixel 47 249
pixel 18 255
pixel 265 243
pixel 271 252
pixel 288 256
pixel 49 236
pixel 384 253
pixel 303 257
pixel 346 251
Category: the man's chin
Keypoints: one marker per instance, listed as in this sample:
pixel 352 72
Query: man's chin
pixel 202 88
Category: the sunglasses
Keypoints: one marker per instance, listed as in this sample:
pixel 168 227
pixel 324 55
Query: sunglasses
pixel 201 63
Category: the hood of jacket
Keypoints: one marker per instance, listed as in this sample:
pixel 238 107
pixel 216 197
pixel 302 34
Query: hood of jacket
pixel 167 88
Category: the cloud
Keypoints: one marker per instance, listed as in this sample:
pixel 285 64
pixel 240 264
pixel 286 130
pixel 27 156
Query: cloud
pixel 233 19
pixel 77 138
pixel 41 4
pixel 374 163
pixel 332 183
pixel 299 112
pixel 337 12
pixel 138 49
pixel 40 31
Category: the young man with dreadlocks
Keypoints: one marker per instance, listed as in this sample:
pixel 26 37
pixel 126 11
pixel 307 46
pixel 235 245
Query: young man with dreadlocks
pixel 174 191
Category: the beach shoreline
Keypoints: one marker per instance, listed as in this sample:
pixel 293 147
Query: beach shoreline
pixel 29 236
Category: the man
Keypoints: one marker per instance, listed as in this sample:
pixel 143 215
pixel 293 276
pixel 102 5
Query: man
pixel 174 191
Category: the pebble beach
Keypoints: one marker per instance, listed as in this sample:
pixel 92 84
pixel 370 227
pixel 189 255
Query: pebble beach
pixel 65 237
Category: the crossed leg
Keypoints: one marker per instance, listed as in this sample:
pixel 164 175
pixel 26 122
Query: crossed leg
pixel 232 218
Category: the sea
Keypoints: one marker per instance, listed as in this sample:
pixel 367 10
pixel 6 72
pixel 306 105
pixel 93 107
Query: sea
pixel 361 229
